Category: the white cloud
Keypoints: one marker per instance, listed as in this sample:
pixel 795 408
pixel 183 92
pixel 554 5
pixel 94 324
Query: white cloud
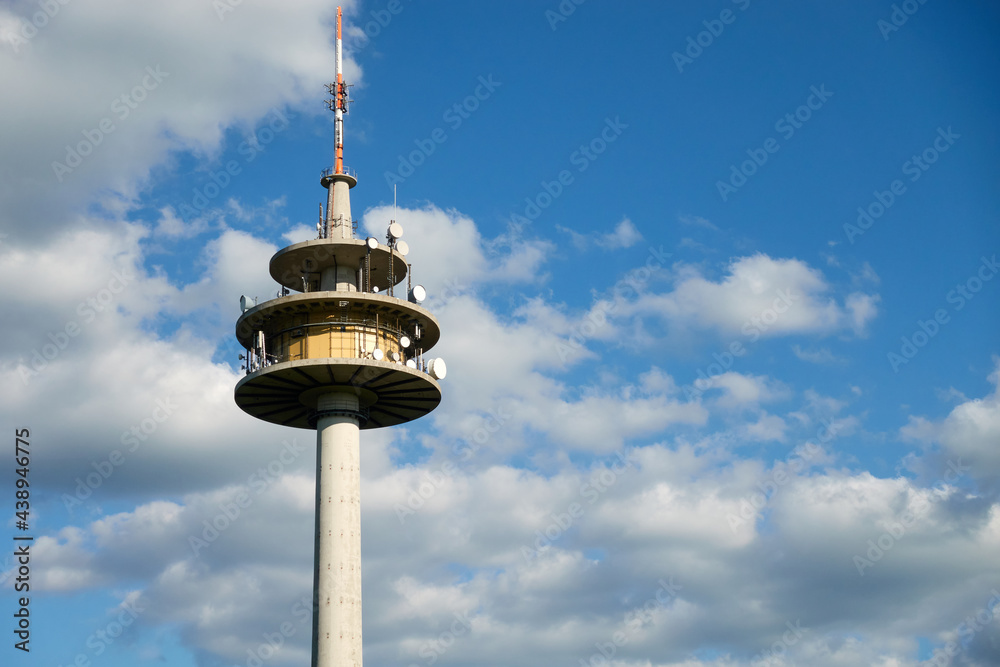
pixel 740 391
pixel 666 513
pixel 655 380
pixel 602 423
pixel 822 406
pixel 821 355
pixel 445 246
pixel 235 264
pixel 697 221
pixel 970 433
pixel 867 274
pixel 299 233
pixel 862 309
pixel 758 297
pixel 766 428
pixel 170 226
pixel 263 59
pixel 625 235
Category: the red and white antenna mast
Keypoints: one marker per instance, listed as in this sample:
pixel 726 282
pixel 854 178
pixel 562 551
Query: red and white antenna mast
pixel 339 102
pixel 338 179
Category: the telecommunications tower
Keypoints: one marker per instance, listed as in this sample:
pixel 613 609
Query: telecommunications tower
pixel 337 351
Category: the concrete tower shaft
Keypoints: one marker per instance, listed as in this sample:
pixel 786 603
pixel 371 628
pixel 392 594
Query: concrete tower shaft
pixel 338 204
pixel 343 276
pixel 337 564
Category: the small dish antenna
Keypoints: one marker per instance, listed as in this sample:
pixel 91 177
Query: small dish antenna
pixel 396 230
pixel 402 247
pixel 377 354
pixel 372 242
pixel 437 368
pixel 243 304
pixel 410 363
pixel 404 341
pixel 418 294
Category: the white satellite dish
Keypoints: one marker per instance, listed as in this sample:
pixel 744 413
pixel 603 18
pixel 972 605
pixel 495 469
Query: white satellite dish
pixel 418 294
pixel 375 288
pixel 404 341
pixel 410 363
pixel 402 247
pixel 372 242
pixel 377 354
pixel 437 369
pixel 243 304
pixel 395 357
pixel 396 230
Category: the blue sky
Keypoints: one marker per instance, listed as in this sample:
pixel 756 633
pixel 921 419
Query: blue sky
pixel 639 227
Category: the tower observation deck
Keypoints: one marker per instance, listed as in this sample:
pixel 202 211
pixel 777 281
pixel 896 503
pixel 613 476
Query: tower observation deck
pixel 337 351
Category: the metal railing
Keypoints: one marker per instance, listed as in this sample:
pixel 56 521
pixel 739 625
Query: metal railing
pixel 329 171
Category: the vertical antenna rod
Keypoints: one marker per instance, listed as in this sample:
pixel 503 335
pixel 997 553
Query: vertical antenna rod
pixel 338 179
pixel 340 104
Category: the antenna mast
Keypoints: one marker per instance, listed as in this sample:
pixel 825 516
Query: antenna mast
pixel 337 179
pixel 339 103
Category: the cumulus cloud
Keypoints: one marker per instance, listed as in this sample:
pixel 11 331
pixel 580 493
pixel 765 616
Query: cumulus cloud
pixel 148 82
pixel 449 252
pixel 691 551
pixel 445 246
pixel 234 265
pixel 647 493
pixel 625 235
pixel 970 432
pixel 759 296
pixel 739 390
pixel 84 342
pixel 861 309
pixel 737 539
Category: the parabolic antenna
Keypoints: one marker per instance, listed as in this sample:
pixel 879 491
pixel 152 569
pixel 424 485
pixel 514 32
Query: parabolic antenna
pixel 418 294
pixel 243 304
pixel 372 242
pixel 437 368
pixel 402 247
pixel 404 341
pixel 377 354
pixel 396 230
